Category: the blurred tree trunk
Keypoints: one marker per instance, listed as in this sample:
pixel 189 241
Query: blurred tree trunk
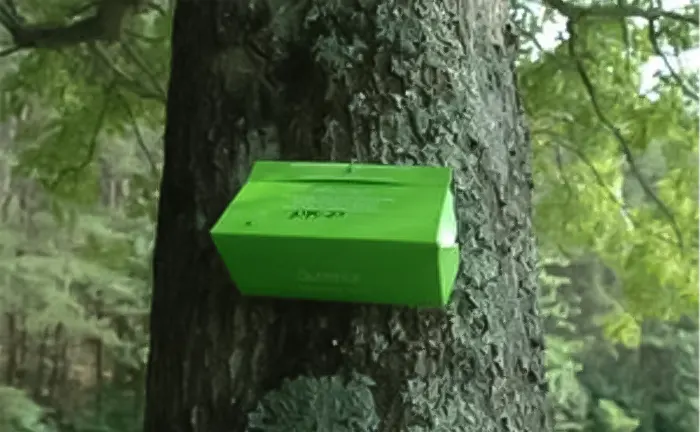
pixel 11 347
pixel 397 82
pixel 59 360
pixel 41 365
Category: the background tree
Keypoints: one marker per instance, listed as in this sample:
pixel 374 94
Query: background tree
pixel 627 161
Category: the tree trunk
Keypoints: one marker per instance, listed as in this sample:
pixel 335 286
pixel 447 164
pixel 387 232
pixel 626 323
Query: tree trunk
pixel 39 388
pixel 425 82
pixel 12 348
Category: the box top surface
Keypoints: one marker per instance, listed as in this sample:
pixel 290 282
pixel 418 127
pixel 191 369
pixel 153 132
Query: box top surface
pixel 342 201
pixel 384 175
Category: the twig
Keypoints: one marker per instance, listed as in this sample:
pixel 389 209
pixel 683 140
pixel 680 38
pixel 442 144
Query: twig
pixel 124 79
pixel 92 147
pixel 626 40
pixel 9 51
pixel 564 177
pixel 653 38
pixel 599 179
pixel 155 82
pixel 620 10
pixel 586 161
pixel 137 132
pixel 624 147
pixel 144 38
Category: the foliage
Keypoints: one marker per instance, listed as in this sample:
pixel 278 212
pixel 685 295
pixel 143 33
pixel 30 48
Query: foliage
pixel 597 384
pixel 591 202
pixel 18 412
pixel 121 411
pixel 589 211
pixel 77 225
pixel 568 397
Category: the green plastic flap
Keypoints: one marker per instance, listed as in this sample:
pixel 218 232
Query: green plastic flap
pixel 356 233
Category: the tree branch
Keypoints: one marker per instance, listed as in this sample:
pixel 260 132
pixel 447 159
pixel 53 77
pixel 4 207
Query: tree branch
pixel 125 80
pixel 92 146
pixel 624 147
pixel 137 133
pixel 144 68
pixel 619 10
pixel 653 38
pixel 104 25
pixel 558 141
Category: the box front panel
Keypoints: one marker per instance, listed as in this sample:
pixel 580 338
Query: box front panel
pixel 327 211
pixel 352 271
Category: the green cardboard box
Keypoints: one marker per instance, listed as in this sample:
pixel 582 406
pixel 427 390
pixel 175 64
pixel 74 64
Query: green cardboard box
pixel 339 232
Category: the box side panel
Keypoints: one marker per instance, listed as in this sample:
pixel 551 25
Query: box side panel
pixel 226 247
pixel 222 225
pixel 447 226
pixel 349 271
pixel 449 267
pixel 448 252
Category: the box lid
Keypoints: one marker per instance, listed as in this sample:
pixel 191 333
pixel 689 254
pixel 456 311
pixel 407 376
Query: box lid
pixel 343 201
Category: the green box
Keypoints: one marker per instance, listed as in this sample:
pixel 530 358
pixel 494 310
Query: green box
pixel 339 232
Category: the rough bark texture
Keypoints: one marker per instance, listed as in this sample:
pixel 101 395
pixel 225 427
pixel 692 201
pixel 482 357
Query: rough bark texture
pixel 390 81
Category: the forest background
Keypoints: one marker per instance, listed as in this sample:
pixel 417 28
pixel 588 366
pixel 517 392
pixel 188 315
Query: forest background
pixel 613 114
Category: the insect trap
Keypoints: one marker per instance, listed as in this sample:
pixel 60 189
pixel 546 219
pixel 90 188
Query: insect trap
pixel 338 232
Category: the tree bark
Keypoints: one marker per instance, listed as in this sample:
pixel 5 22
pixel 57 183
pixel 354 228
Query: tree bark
pixel 425 82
